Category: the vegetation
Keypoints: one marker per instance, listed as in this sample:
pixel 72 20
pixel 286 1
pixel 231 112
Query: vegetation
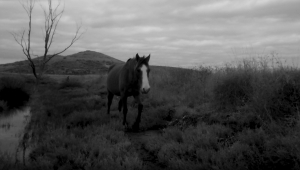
pixel 14 92
pixel 247 117
pixel 243 116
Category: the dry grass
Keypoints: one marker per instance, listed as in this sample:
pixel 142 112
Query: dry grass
pixel 247 114
pixel 242 116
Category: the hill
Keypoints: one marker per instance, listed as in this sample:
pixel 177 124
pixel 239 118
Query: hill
pixel 86 62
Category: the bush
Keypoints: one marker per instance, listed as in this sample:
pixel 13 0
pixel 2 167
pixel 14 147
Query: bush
pixel 156 118
pixel 195 147
pixel 212 147
pixel 237 121
pixel 3 106
pixel 276 94
pixel 256 150
pixel 271 93
pixel 282 152
pixel 180 85
pixel 100 148
pixel 232 88
pixel 14 92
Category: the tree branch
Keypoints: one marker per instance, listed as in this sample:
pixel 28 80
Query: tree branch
pixel 20 42
pixel 75 38
pixel 52 18
pixel 54 30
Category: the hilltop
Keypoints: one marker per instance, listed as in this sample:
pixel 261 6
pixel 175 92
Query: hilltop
pixel 86 62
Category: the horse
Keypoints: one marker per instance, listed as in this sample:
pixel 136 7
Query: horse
pixel 129 79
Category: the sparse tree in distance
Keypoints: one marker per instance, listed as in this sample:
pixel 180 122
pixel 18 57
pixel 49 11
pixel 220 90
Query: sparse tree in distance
pixel 52 18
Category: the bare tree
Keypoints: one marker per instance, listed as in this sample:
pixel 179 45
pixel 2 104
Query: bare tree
pixel 52 18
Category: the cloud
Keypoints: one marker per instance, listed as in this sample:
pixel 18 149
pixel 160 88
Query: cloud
pixel 176 33
pixel 183 42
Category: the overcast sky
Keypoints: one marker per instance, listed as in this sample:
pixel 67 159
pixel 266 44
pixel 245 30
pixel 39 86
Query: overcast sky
pixel 175 32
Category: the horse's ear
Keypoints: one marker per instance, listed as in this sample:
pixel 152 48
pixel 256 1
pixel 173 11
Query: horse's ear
pixel 137 57
pixel 147 58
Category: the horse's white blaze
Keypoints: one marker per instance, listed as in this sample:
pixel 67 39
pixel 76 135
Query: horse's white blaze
pixel 145 81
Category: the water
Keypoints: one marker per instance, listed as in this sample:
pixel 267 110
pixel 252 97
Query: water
pixel 11 131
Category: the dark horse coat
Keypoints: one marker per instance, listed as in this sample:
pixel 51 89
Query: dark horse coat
pixel 129 79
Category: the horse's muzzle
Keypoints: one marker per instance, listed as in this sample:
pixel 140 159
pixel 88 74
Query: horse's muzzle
pixel 145 91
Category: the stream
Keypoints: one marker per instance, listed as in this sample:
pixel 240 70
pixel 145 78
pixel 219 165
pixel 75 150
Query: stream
pixel 11 132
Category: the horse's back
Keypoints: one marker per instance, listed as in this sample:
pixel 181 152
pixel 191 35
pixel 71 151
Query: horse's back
pixel 113 79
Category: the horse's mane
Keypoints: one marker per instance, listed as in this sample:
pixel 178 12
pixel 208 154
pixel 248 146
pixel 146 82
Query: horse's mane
pixel 110 67
pixel 140 61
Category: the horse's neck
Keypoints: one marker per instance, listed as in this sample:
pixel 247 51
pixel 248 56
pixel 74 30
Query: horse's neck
pixel 131 64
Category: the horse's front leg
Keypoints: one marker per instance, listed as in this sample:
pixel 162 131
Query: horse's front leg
pixel 124 104
pixel 136 125
pixel 110 96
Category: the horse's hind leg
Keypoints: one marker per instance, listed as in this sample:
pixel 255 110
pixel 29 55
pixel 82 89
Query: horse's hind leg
pixel 110 96
pixel 136 124
pixel 120 105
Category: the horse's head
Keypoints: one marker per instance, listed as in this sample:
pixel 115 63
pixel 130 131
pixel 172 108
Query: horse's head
pixel 142 70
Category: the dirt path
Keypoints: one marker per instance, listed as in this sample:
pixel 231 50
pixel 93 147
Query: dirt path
pixel 138 139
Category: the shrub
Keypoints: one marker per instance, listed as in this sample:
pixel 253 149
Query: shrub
pixel 100 148
pixel 271 93
pixel 14 92
pixel 212 147
pixel 254 149
pixel 195 147
pixel 238 156
pixel 240 120
pixel 188 85
pixel 232 88
pixel 276 94
pixel 3 106
pixel 282 152
pixel 156 118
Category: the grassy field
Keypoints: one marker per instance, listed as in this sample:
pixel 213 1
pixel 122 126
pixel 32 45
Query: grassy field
pixel 242 116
